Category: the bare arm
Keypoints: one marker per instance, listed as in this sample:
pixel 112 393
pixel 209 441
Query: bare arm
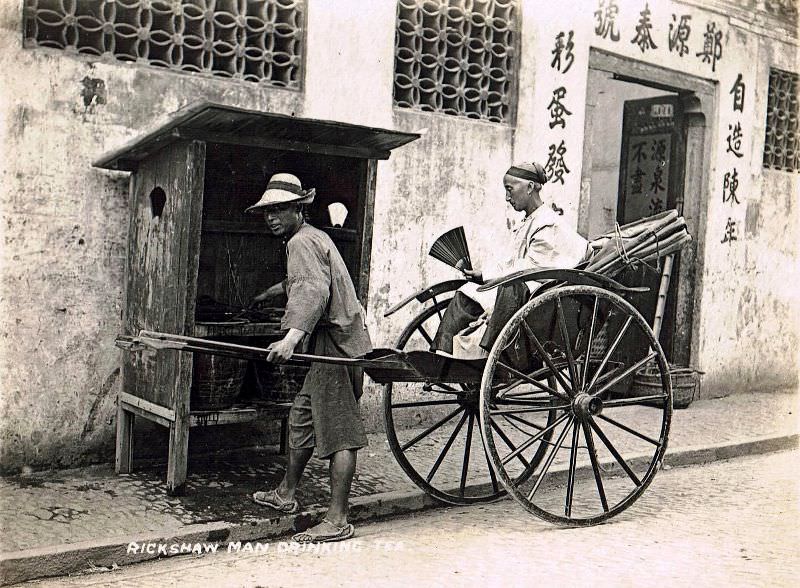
pixel 272 292
pixel 282 350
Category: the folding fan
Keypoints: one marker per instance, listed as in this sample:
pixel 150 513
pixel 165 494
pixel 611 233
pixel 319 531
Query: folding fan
pixel 451 248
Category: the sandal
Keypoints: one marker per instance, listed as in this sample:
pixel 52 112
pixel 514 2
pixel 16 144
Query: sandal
pixel 338 534
pixel 272 499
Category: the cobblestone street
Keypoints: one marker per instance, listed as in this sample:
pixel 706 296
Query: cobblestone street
pixel 731 523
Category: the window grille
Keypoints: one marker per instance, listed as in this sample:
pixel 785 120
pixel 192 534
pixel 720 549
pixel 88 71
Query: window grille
pixel 781 142
pixel 457 57
pixel 254 40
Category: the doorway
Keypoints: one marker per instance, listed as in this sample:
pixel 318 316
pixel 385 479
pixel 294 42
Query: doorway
pixel 646 150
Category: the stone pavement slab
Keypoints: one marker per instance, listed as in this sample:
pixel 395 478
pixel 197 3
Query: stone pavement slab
pixel 81 517
pixel 727 524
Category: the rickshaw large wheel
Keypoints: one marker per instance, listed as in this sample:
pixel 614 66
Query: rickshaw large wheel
pixel 443 437
pixel 610 432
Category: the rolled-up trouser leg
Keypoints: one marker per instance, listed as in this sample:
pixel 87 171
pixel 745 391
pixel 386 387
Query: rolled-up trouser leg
pixel 461 311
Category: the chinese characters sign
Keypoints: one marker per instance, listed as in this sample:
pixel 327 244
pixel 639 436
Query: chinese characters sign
pixel 733 152
pixel 706 46
pixel 648 143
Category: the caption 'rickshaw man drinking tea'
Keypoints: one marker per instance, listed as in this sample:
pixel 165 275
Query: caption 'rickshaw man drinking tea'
pixel 322 305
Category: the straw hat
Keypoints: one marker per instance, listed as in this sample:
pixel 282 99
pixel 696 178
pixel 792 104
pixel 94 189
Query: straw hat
pixel 283 188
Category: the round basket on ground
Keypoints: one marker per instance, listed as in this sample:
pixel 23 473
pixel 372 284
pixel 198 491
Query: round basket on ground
pixel 216 381
pixel 685 383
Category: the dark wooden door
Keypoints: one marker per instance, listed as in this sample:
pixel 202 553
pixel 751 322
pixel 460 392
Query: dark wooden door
pixel 652 163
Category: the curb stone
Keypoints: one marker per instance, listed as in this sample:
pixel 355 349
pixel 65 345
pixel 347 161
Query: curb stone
pixel 63 560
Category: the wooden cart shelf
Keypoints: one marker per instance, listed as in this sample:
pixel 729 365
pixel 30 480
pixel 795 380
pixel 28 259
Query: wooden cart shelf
pixel 237 329
pixel 230 416
pixel 131 406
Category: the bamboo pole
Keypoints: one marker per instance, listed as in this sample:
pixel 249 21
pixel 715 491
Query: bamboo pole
pixel 663 288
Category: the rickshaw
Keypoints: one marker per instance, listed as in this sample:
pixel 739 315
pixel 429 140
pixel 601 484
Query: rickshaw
pixel 552 416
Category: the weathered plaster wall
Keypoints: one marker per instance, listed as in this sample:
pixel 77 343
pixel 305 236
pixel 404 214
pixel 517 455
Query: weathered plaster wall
pixel 64 236
pixel 64 223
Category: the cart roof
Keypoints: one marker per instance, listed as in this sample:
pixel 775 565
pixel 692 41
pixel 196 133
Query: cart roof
pixel 217 123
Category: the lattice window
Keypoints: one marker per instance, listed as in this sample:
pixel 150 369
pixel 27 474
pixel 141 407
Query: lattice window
pixel 781 148
pixel 255 40
pixel 456 56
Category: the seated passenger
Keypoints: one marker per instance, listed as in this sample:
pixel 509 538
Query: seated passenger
pixel 542 241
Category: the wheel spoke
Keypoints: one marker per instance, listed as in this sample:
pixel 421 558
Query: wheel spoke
pixel 573 460
pixel 625 373
pixel 524 410
pixel 545 356
pixel 535 438
pixel 515 425
pixel 430 429
pixel 520 401
pixel 465 467
pixel 524 422
pixel 493 476
pixel 595 466
pixel 425 334
pixel 615 453
pixel 628 429
pixel 508 442
pixel 533 382
pixel 608 375
pixel 562 326
pixel 609 351
pixel 633 401
pixel 553 451
pixel 532 395
pixel 441 388
pixel 447 445
pixel 424 403
pixel 590 341
pixel 438 310
pixel 504 390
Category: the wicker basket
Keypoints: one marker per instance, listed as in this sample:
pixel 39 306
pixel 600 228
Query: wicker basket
pixel 278 383
pixel 216 381
pixel 685 384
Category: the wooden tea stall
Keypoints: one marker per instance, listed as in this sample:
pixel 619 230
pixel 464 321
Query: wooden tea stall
pixel 194 257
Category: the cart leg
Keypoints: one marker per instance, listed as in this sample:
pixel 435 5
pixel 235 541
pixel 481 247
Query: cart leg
pixel 178 456
pixel 124 454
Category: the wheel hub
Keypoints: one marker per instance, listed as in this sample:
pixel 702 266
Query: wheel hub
pixel 585 405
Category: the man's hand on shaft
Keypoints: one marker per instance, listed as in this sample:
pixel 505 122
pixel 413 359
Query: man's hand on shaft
pixel 282 350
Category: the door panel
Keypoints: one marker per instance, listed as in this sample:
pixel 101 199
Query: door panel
pixel 162 266
pixel 652 163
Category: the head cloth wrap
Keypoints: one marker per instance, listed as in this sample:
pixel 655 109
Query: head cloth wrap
pixel 533 172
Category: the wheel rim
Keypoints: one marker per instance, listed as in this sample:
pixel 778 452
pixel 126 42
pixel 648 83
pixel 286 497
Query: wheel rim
pixel 605 447
pixel 445 454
